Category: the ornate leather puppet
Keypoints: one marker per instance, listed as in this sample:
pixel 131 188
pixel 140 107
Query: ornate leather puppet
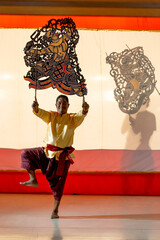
pixel 52 58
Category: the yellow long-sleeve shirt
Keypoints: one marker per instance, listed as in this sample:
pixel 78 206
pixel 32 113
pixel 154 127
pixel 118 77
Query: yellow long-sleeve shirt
pixel 60 129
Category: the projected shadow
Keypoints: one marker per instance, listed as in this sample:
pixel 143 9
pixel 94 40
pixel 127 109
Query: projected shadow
pixel 142 216
pixel 57 232
pixel 139 159
pixel 140 128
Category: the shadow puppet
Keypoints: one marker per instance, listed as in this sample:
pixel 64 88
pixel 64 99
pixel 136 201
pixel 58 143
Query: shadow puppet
pixel 140 128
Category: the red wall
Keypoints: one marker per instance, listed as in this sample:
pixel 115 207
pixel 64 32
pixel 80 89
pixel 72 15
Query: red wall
pixel 87 183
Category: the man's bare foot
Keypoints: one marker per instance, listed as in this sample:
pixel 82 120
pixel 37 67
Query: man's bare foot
pixel 54 215
pixel 30 183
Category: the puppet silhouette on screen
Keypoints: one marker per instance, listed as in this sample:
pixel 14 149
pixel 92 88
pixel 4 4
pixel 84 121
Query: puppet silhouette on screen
pixel 135 81
pixel 134 77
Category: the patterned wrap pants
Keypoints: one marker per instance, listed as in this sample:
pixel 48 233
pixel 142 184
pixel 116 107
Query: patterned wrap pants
pixel 35 158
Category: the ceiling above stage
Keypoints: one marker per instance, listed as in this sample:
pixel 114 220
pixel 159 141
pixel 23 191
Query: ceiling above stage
pixel 83 7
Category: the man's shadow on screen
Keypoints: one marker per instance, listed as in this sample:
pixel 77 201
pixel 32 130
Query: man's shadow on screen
pixel 140 128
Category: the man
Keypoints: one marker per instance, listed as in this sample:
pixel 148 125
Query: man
pixel 54 160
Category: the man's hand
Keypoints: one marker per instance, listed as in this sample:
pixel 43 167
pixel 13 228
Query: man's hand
pixel 35 106
pixel 85 107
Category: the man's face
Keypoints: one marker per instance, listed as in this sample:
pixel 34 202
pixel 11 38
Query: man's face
pixel 62 106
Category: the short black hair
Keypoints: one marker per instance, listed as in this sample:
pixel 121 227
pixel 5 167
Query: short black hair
pixel 62 96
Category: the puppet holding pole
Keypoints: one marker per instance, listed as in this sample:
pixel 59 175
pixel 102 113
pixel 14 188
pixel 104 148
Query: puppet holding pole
pixel 53 63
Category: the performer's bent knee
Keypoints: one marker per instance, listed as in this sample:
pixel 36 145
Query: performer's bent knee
pixel 26 161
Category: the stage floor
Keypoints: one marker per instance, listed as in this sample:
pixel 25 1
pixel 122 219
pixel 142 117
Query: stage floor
pixel 27 217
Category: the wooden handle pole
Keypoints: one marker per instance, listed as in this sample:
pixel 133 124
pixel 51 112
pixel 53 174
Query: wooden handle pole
pixel 36 93
pixel 83 99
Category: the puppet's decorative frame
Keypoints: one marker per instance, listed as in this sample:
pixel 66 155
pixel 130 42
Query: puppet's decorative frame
pixel 52 58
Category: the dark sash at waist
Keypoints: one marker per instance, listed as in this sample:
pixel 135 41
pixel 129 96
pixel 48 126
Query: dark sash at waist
pixel 65 152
